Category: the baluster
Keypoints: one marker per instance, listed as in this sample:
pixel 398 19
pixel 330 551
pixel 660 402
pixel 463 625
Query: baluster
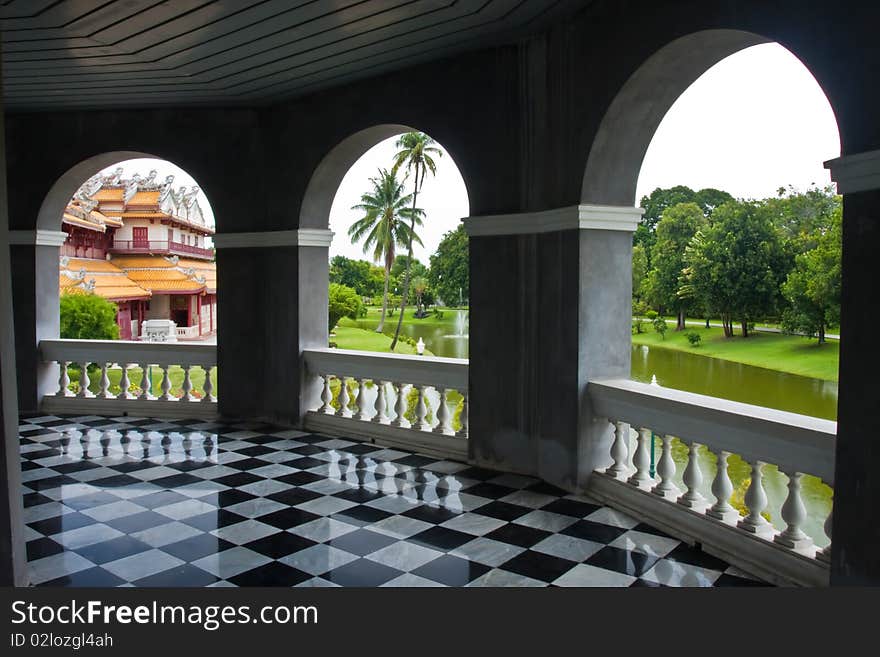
pixel 422 423
pixel 693 477
pixel 166 384
pixel 379 404
pixel 84 443
pixel 794 513
pixel 666 470
pixel 326 396
pixel 209 386
pixel 105 384
pixel 642 461
pixel 187 384
pixel 756 502
pixel 125 439
pixel 825 555
pixel 399 404
pixel 361 399
pixel 722 489
pixel 145 383
pixel 442 413
pixel 342 398
pixel 619 451
pixel 125 383
pixel 104 441
pixel 84 382
pixel 64 380
pixel 463 418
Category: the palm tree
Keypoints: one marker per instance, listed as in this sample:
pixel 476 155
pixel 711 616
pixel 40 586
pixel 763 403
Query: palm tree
pixel 383 226
pixel 419 286
pixel 417 151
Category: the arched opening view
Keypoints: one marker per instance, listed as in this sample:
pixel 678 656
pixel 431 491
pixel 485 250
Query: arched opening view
pixel 403 196
pixel 137 264
pixel 736 261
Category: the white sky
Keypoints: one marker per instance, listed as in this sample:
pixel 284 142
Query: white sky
pixel 754 122
pixel 443 197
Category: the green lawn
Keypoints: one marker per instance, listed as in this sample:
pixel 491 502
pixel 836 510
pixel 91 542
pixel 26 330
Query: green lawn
pixel 785 353
pixel 347 337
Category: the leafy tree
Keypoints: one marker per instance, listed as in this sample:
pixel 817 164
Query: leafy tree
pixel 417 152
pixel 735 265
pixel 450 269
pixel 660 326
pixel 656 203
pixel 802 217
pixel 813 287
pixel 87 316
pixel 639 269
pixel 383 227
pixel 674 232
pixel 343 302
pixel 420 287
pixel 356 274
pixel 401 262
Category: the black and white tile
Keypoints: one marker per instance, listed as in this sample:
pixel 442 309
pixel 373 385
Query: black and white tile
pixel 130 501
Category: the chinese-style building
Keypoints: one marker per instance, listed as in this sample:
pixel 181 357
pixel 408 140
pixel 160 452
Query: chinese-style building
pixel 141 244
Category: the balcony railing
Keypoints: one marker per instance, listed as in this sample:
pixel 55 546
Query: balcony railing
pixel 709 433
pixel 415 402
pixel 108 377
pixel 160 246
pixel 187 332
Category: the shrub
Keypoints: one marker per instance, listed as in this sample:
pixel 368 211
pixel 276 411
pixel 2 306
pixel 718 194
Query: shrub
pixel 343 301
pixel 638 325
pixel 660 326
pixel 651 315
pixel 87 317
pixel 694 338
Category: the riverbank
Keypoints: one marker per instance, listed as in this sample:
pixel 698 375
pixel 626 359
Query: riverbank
pixel 783 353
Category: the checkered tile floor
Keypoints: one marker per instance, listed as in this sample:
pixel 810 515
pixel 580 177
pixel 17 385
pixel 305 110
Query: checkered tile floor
pixel 147 502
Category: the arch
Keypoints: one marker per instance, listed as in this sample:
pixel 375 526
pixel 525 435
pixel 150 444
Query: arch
pixel 324 183
pixel 632 118
pixel 59 195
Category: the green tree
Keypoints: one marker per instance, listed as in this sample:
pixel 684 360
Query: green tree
pixel 356 274
pixel 401 262
pixel 416 152
pixel 420 288
pixel 343 302
pixel 734 266
pixel 383 227
pixel 674 232
pixel 813 286
pixel 87 316
pixel 450 268
pixel 639 269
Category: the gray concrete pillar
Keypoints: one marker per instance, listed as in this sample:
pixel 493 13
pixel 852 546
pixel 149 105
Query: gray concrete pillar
pixel 13 559
pixel 272 304
pixel 550 309
pixel 35 290
pixel 855 559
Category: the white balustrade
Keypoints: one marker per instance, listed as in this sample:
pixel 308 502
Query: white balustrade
pixel 414 401
pixel 796 444
pixel 96 393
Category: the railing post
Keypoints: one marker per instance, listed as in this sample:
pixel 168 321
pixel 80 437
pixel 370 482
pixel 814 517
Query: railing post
pixel 361 400
pixel 640 477
pixel 442 413
pixel 125 383
pixel 379 404
pixel 166 384
pixel 209 386
pixel 756 501
pixel 666 470
pixel 187 384
pixel 146 383
pixel 692 478
pixel 619 451
pixel 105 383
pixel 399 404
pixel 794 513
pixel 84 382
pixel 342 398
pixel 64 380
pixel 421 422
pixel 722 489
pixel 326 396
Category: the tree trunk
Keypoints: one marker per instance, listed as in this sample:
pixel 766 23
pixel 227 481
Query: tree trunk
pixel 381 326
pixel 680 326
pixel 707 323
pixel 412 228
pixel 745 328
pixel 821 332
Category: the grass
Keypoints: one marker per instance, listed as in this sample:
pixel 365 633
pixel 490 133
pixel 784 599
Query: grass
pixel 784 353
pixel 348 337
pixel 136 375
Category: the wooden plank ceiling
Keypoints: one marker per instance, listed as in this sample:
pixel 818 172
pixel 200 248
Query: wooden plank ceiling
pixel 69 54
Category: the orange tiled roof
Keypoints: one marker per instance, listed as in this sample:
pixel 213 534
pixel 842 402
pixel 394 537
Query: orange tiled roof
pixel 110 281
pixel 145 198
pixel 68 218
pixel 109 194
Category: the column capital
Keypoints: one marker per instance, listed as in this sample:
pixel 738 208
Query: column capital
pixel 859 172
pixel 38 237
pixel 574 217
pixel 265 239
